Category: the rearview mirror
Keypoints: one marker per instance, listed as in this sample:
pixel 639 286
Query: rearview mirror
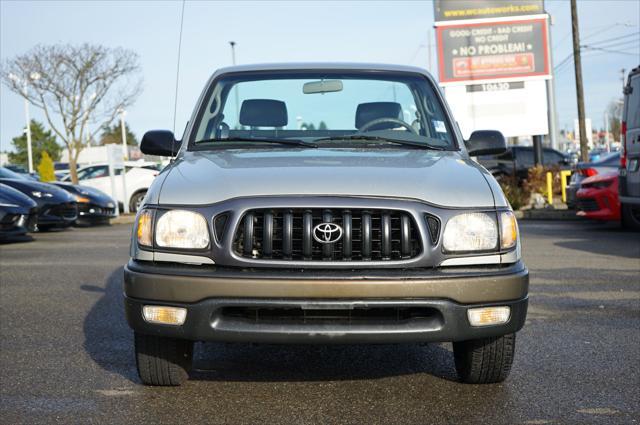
pixel 323 86
pixel 486 142
pixel 160 143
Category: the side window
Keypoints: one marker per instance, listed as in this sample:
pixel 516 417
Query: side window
pixel 507 156
pixel 82 174
pixel 525 157
pixel 551 157
pixel 97 172
pixel 633 104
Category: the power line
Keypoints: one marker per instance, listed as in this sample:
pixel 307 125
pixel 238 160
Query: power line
pixel 608 51
pixel 620 44
pixel 617 38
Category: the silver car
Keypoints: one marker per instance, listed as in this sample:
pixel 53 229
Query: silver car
pixel 629 180
pixel 324 203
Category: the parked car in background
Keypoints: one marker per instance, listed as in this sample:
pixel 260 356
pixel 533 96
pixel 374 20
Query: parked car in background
pixel 597 197
pixel 518 160
pixel 606 164
pixel 61 169
pixel 94 206
pixel 629 185
pixel 56 207
pixel 18 213
pixel 139 177
pixel 23 172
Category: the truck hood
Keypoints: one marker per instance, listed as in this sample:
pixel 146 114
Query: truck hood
pixel 442 178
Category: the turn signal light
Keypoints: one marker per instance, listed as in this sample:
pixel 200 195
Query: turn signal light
pixel 164 315
pixel 487 316
pixel 145 218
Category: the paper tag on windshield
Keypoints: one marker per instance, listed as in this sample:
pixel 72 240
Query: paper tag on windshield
pixel 439 126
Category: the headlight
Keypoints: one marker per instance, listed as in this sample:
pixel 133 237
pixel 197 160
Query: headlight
pixel 471 232
pixel 508 230
pixel 182 229
pixel 39 194
pixel 82 199
pixel 143 230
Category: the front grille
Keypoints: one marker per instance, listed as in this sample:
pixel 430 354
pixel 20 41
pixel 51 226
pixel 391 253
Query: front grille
pixel 9 221
pixel 69 210
pixel 300 316
pixel 287 234
pixel 588 204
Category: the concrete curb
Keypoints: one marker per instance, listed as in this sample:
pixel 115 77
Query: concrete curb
pixel 547 214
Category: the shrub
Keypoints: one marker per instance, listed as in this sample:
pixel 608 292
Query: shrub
pixel 46 169
pixel 518 196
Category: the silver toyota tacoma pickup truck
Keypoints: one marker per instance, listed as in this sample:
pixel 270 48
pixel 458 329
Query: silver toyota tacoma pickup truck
pixel 324 203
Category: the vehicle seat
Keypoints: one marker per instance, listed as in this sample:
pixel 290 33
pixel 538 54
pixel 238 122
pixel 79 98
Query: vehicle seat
pixel 367 112
pixel 263 113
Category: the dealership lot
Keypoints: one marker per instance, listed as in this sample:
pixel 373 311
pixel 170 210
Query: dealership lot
pixel 66 352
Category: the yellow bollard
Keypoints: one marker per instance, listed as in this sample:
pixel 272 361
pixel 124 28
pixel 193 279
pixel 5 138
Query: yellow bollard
pixel 563 183
pixel 549 188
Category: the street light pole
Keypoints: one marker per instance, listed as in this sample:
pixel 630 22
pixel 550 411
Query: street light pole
pixel 34 76
pixel 125 151
pixel 28 118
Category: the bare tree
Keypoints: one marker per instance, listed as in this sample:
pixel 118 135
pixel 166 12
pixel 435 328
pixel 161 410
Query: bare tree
pixel 614 115
pixel 79 88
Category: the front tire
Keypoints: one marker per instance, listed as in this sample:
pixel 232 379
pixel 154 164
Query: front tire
pixel 630 216
pixel 486 360
pixel 136 201
pixel 163 361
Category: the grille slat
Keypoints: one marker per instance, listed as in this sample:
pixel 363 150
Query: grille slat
pixel 287 234
pixel 248 235
pixel 367 235
pixel 307 242
pixel 267 234
pixel 347 237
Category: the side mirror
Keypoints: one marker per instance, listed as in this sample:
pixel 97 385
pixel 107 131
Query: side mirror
pixel 486 142
pixel 160 143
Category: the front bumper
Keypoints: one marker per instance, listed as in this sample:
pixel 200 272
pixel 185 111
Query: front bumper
pixel 325 306
pixel 57 214
pixel 89 212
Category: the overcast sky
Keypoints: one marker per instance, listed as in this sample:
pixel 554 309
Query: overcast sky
pixel 387 32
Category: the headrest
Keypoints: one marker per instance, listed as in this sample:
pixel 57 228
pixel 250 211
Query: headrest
pixel 367 112
pixel 263 113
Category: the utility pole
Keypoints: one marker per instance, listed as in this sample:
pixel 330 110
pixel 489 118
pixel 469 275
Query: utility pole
pixel 622 71
pixel 584 148
pixel 235 88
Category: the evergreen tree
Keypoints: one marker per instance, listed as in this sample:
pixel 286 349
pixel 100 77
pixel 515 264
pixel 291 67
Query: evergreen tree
pixel 46 169
pixel 113 134
pixel 41 141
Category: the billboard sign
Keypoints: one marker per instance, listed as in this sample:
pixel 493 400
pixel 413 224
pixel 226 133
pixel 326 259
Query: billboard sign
pixel 493 50
pixel 515 108
pixel 454 10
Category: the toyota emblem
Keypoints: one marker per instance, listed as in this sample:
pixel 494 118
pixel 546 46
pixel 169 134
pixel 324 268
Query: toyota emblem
pixel 327 233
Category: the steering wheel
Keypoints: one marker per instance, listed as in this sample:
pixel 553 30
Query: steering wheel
pixel 397 121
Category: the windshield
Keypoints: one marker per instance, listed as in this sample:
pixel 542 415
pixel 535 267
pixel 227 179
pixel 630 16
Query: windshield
pixel 328 109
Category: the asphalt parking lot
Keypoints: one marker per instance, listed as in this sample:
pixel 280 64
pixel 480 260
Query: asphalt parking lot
pixel 66 353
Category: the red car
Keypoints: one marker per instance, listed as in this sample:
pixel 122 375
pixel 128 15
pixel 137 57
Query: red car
pixel 598 197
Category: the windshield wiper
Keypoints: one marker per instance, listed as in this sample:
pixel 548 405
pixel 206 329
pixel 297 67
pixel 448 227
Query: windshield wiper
pixel 383 139
pixel 291 142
